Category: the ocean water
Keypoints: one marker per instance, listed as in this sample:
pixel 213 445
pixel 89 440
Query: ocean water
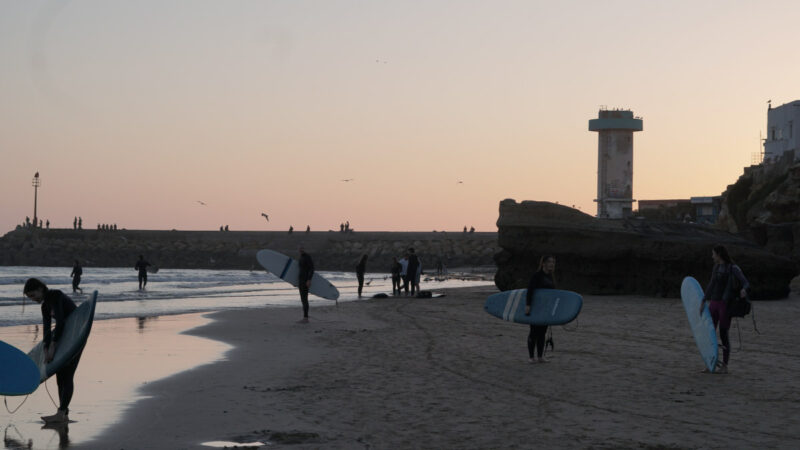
pixel 180 291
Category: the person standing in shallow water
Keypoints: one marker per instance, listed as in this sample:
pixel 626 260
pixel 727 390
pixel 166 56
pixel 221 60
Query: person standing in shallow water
pixel 543 278
pixel 141 266
pixel 720 291
pixel 361 268
pixel 304 277
pixel 77 271
pixel 55 305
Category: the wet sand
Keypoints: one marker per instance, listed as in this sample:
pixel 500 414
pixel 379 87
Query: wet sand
pixel 441 373
pixel 121 356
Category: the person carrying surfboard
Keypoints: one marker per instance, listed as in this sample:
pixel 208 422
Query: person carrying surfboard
pixel 543 278
pixel 306 266
pixel 141 266
pixel 719 292
pixel 55 305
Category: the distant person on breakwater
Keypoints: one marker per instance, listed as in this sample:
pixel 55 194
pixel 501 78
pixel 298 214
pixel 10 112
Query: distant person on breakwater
pixel 543 278
pixel 306 266
pixel 55 305
pixel 141 266
pixel 727 281
pixel 396 268
pixel 77 271
pixel 361 268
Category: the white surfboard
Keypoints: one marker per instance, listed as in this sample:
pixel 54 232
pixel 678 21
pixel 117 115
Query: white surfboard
pixel 288 269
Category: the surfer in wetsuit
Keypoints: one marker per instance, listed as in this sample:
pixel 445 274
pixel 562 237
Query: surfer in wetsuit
pixel 306 266
pixel 55 305
pixel 77 271
pixel 542 279
pixel 361 268
pixel 141 266
pixel 719 292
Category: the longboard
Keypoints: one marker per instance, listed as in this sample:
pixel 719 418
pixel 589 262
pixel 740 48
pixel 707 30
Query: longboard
pixel 19 375
pixel 705 336
pixel 548 306
pixel 73 339
pixel 288 269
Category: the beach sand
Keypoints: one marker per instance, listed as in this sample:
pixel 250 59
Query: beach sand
pixel 441 373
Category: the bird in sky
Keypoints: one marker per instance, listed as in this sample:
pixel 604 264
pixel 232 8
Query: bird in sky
pixel 265 216
pixel 202 203
pixel 459 182
pixel 347 180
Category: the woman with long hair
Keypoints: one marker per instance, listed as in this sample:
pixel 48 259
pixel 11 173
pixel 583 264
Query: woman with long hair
pixel 543 278
pixel 722 289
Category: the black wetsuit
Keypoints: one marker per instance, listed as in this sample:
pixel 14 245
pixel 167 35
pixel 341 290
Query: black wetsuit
pixel 361 268
pixel 536 337
pixel 411 272
pixel 396 268
pixel 77 271
pixel 306 266
pixel 141 266
pixel 56 305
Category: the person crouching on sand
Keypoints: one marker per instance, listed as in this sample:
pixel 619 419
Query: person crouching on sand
pixel 543 278
pixel 57 305
pixel 719 292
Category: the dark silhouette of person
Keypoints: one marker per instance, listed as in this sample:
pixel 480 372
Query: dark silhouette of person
pixel 304 278
pixel 291 229
pixel 308 228
pixel 412 271
pixel 55 305
pixel 80 223
pixel 396 268
pixel 75 223
pixel 361 268
pixel 141 266
pixel 77 271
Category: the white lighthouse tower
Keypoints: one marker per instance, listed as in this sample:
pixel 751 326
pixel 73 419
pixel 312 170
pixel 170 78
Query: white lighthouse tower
pixel 615 161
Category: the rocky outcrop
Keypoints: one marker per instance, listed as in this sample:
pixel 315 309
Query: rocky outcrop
pixel 237 250
pixel 601 256
pixel 764 206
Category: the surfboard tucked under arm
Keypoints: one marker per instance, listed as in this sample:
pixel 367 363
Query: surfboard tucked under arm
pixel 288 269
pixel 73 339
pixel 549 306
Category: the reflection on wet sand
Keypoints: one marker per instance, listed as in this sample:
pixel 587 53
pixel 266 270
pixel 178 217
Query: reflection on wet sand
pixel 120 356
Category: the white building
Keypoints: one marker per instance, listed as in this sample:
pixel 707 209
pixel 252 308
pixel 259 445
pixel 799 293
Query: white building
pixel 783 134
pixel 615 161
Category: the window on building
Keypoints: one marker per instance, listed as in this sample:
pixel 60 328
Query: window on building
pixel 791 129
pixel 772 133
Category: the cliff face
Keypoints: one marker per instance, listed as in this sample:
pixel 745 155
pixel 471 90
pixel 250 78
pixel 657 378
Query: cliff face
pixel 237 250
pixel 597 256
pixel 764 206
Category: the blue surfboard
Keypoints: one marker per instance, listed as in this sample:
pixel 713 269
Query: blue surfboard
pixel 73 339
pixel 549 306
pixel 18 373
pixel 705 336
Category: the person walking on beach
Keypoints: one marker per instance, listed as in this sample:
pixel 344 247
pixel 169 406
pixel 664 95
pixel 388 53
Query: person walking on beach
pixel 404 271
pixel 543 278
pixel 721 289
pixel 55 305
pixel 396 268
pixel 412 272
pixel 361 268
pixel 77 271
pixel 141 266
pixel 306 266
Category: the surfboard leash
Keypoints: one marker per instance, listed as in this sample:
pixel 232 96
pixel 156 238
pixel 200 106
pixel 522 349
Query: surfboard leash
pixel 5 401
pixel 49 395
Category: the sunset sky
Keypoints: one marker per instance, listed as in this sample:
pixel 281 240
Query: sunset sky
pixel 134 111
